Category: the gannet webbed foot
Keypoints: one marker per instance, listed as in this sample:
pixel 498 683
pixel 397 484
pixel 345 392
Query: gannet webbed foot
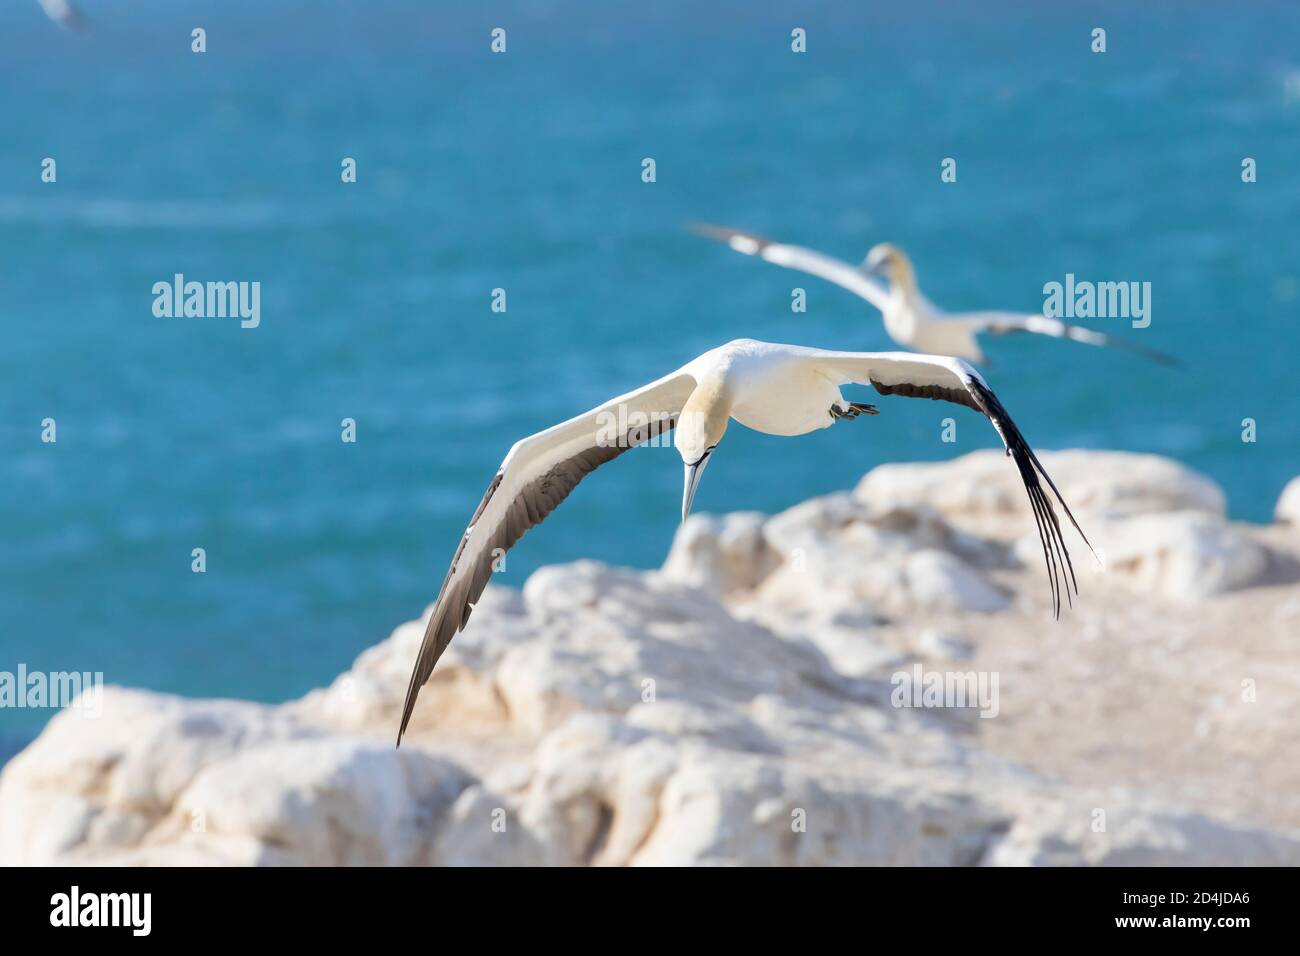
pixel 853 411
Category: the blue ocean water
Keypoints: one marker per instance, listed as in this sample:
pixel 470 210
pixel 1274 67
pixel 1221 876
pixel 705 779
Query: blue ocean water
pixel 522 171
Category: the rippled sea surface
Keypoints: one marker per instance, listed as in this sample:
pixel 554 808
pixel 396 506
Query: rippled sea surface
pixel 522 171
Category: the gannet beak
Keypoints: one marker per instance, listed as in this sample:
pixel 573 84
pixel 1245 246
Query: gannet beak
pixel 693 473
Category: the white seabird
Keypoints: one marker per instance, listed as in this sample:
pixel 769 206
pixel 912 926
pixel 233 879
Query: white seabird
pixel 912 320
pixel 63 13
pixel 775 389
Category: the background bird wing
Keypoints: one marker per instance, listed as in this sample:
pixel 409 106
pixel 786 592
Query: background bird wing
pixel 801 259
pixel 536 475
pixel 952 380
pixel 1004 323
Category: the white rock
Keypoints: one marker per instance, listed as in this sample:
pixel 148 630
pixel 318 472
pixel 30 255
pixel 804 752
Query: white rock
pixel 934 643
pixel 720 554
pixel 106 781
pixel 1063 834
pixel 1182 556
pixel 612 717
pixel 985 484
pixel 159 779
pixel 939 581
pixel 843 559
pixel 1288 506
pixel 325 802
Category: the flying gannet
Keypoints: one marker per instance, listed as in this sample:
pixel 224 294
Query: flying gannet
pixel 775 389
pixel 912 320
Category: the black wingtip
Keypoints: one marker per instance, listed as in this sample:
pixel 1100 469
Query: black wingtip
pixel 1152 355
pixel 729 236
pixel 408 707
pixel 709 230
pixel 1056 556
pixel 1169 361
pixel 720 233
pixel 1160 358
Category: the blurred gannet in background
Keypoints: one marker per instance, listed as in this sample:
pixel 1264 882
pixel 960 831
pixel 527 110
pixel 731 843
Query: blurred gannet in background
pixel 63 13
pixel 912 320
pixel 774 389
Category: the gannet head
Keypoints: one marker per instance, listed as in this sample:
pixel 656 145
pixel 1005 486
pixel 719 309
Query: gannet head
pixel 890 261
pixel 700 426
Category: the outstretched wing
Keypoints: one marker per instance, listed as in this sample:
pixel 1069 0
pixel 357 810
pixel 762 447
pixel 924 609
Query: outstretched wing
pixel 952 380
pixel 801 259
pixel 536 475
pixel 1004 323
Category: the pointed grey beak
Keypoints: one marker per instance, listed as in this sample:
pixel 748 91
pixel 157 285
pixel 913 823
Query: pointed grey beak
pixel 868 268
pixel 693 473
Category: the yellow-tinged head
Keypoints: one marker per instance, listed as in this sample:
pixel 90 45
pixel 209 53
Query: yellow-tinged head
pixel 700 426
pixel 890 261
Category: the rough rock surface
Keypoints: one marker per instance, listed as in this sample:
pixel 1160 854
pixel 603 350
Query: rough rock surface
pixel 742 705
pixel 1095 483
pixel 1183 555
